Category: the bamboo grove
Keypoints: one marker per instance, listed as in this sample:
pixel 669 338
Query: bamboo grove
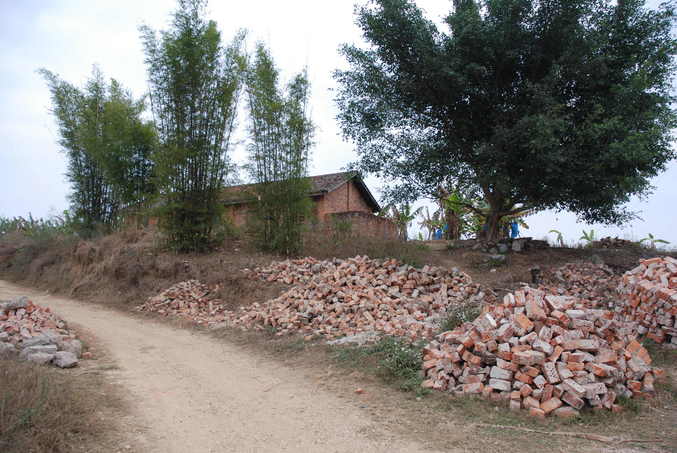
pixel 175 167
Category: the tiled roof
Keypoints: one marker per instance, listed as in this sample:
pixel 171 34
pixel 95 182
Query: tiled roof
pixel 321 184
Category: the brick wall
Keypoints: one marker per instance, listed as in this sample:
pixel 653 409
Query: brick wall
pixel 346 198
pixel 364 224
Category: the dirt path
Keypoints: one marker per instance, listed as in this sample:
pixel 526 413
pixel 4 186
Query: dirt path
pixel 193 393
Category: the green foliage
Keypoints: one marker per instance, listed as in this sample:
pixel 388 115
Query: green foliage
pixel 430 223
pixel 194 86
pixel 588 236
pixel 280 133
pixel 402 215
pixel 563 105
pixel 653 241
pixel 40 229
pixel 560 237
pixel 459 314
pixel 393 359
pixel 108 148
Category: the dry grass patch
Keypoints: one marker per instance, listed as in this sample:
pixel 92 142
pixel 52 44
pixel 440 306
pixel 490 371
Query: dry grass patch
pixel 47 410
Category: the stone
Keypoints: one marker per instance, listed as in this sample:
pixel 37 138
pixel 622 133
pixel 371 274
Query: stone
pixel 65 359
pixel 497 260
pixel 358 339
pixel 36 341
pixel 14 304
pixel 7 349
pixel 44 348
pixel 41 358
pixel 500 373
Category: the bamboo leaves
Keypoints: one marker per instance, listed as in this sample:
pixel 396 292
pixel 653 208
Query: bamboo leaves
pixel 194 82
pixel 280 137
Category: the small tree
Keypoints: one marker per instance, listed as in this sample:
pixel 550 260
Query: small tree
pixel 194 86
pixel 280 133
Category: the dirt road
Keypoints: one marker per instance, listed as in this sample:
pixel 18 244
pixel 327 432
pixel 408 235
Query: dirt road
pixel 192 393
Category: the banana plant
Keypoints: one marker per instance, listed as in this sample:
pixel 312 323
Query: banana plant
pixel 430 223
pixel 402 216
pixel 588 236
pixel 560 237
pixel 653 241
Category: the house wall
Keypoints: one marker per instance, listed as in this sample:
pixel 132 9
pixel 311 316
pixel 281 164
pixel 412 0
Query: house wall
pixel 346 198
pixel 364 224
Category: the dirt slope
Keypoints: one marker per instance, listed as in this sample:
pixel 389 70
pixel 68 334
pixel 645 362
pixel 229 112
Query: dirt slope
pixel 192 393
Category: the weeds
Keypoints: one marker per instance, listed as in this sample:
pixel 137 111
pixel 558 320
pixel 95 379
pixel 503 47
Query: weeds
pixel 396 361
pixel 458 315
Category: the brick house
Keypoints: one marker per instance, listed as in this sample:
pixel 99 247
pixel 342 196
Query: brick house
pixel 336 197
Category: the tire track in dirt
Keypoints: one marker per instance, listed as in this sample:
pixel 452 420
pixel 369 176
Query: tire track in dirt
pixel 192 393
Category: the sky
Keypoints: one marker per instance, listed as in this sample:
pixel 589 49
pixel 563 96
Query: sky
pixel 69 36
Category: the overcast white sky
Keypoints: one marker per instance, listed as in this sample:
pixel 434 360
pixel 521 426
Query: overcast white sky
pixel 69 36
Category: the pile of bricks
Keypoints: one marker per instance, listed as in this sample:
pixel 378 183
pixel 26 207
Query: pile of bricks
pixel 36 334
pixel 338 298
pixel 595 284
pixel 650 298
pixel 21 319
pixel 189 300
pixel 549 354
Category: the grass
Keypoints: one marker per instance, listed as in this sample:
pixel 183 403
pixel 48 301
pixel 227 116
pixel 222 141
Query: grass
pixel 458 315
pixel 43 410
pixel 394 360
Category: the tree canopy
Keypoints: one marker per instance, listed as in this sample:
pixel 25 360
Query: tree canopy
pixel 532 103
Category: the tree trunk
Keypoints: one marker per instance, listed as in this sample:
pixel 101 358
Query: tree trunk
pixel 453 225
pixel 491 231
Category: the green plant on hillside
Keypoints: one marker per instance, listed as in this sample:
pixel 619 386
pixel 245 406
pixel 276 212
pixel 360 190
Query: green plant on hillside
pixel 108 148
pixel 588 236
pixel 560 237
pixel 653 241
pixel 195 82
pixel 430 223
pixel 280 139
pixel 41 228
pixel 402 215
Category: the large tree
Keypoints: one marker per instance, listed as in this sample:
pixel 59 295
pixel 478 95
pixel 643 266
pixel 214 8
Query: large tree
pixel 107 145
pixel 280 138
pixel 194 85
pixel 535 104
